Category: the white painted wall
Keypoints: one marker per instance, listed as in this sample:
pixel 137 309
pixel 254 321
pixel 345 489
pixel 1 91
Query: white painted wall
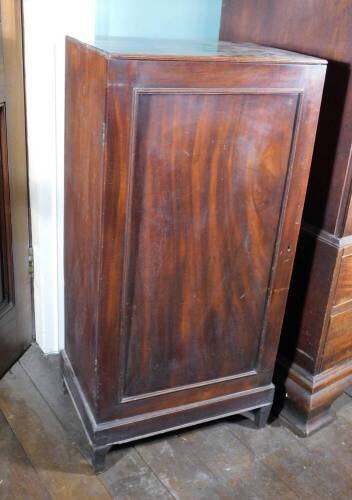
pixel 46 22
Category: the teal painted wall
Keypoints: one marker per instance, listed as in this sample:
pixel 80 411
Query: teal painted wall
pixel 187 19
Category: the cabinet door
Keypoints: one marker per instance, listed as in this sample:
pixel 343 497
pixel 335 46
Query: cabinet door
pixel 200 175
pixel 205 201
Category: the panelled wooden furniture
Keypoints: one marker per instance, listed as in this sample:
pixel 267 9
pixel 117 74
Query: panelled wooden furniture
pixel 185 176
pixel 316 347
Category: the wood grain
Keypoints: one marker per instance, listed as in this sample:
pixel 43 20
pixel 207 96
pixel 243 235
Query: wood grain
pixel 326 31
pixel 16 320
pixel 58 462
pixel 204 198
pixel 84 146
pixel 343 291
pixel 237 466
pixel 228 457
pixel 336 444
pixel 196 50
pixel 343 407
pixel 18 479
pixel 309 299
pixel 129 477
pixel 182 472
pixel 297 466
pixel 185 182
pixel 338 346
pixel 45 374
pixel 322 28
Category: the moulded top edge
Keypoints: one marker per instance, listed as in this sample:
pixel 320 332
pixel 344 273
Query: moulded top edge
pixel 183 50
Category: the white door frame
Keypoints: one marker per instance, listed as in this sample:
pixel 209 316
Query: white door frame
pixel 46 22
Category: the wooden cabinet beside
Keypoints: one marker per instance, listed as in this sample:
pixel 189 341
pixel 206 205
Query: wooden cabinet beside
pixel 185 174
pixel 316 349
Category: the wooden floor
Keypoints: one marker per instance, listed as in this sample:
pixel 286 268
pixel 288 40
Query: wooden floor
pixel 43 452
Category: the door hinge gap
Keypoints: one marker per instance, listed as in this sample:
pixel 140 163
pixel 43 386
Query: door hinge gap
pixel 30 263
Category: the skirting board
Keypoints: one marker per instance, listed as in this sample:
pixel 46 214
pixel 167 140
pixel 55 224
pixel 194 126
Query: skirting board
pixel 128 429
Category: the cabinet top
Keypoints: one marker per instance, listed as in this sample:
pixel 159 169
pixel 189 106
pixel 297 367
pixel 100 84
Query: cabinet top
pixel 165 49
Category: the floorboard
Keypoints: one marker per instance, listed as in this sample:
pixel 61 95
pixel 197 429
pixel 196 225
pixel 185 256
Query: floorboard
pixel 58 462
pixel 18 478
pixel 343 408
pixel 234 464
pixel 181 470
pixel 303 469
pixel 128 476
pixel 45 373
pixel 44 452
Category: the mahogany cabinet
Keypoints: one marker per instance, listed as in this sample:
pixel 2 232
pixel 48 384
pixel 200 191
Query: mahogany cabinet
pixel 315 352
pixel 186 167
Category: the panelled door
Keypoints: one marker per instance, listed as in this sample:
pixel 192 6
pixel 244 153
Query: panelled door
pixel 15 280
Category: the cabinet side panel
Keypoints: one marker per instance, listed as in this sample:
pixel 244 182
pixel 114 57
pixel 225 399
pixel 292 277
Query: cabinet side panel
pixel 84 147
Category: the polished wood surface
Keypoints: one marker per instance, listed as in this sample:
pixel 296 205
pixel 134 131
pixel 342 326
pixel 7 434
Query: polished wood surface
pixel 343 292
pixel 84 147
pixel 196 289
pixel 185 182
pixel 15 284
pixel 321 28
pixel 338 347
pixel 315 334
pixel 314 273
pixel 210 50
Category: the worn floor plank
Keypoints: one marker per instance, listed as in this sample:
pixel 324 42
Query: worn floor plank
pixel 128 477
pixel 237 466
pixel 334 446
pixel 57 460
pixel 297 465
pixel 43 445
pixel 18 478
pixel 343 408
pixel 349 390
pixel 45 373
pixel 181 471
